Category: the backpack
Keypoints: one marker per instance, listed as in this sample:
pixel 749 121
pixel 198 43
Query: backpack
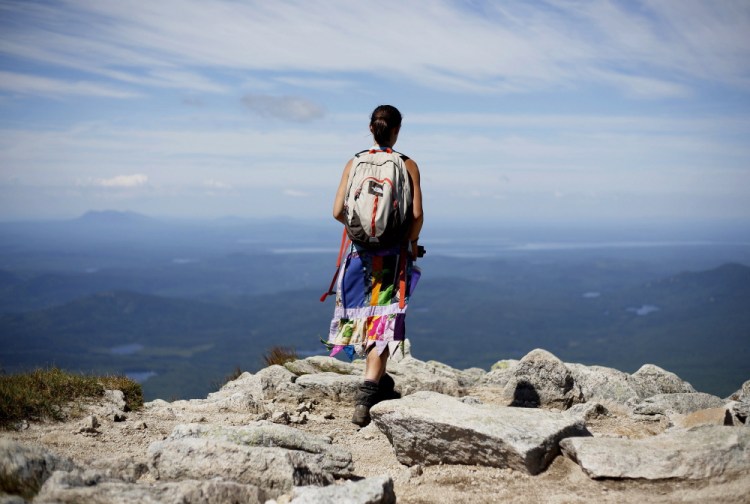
pixel 378 202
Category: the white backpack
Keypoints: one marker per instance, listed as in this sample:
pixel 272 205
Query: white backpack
pixel 378 203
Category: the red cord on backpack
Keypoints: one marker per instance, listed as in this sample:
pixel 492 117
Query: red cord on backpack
pixel 344 245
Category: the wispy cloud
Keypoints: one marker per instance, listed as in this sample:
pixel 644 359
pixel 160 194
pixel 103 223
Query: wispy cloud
pixel 515 46
pixel 287 108
pixel 25 84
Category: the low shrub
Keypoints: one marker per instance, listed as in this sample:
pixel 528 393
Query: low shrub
pixel 279 355
pixel 55 394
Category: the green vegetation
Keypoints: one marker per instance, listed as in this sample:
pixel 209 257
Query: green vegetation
pixel 279 355
pixel 56 394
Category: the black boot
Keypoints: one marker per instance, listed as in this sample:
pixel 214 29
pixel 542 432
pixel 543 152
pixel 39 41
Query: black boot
pixel 366 399
pixel 386 389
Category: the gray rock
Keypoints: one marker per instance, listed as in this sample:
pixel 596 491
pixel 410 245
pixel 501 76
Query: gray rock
pixel 413 375
pixel 588 411
pixel 23 469
pixel 541 379
pixel 430 428
pixel 89 425
pixel 742 394
pixel 682 403
pixel 330 457
pixel 327 385
pixel 603 383
pixel 12 499
pixel 651 380
pixel 274 470
pixel 740 410
pixel 377 490
pixel 504 365
pixel 496 378
pixel 275 381
pixel 470 377
pixel 700 453
pixel 116 398
pixel 319 364
pixel 77 487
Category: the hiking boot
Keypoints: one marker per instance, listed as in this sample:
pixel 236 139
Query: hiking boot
pixel 386 389
pixel 361 415
pixel 366 398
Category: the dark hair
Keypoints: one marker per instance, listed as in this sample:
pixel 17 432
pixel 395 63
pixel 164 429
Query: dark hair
pixel 383 121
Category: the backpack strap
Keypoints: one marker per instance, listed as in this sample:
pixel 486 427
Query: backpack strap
pixel 344 243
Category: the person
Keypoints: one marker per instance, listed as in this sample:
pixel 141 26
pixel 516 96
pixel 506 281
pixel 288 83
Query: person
pixel 369 281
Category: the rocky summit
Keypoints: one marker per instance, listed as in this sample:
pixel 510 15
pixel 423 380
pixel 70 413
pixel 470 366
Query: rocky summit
pixel 531 430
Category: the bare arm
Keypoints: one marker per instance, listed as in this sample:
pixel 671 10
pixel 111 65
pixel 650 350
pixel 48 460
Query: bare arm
pixel 338 203
pixel 418 216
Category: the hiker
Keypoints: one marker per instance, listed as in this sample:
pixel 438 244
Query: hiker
pixel 378 274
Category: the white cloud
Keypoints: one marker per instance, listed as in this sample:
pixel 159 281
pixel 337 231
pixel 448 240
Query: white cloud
pixel 122 181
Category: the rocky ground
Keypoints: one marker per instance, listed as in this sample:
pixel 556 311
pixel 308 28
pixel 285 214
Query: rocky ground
pixel 534 430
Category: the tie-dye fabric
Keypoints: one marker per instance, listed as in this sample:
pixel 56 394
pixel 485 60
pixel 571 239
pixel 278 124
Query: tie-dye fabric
pixel 367 303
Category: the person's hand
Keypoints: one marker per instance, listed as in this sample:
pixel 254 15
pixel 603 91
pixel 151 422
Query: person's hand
pixel 414 249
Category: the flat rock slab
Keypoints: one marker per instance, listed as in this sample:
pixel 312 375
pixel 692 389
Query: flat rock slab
pixel 274 470
pixel 377 490
pixel 329 385
pixel 681 403
pixel 72 488
pixel 429 428
pixel 332 458
pixel 697 454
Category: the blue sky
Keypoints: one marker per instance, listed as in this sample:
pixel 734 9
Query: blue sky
pixel 548 111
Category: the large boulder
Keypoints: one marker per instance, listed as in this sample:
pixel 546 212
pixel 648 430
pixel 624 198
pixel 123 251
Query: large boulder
pixel 541 380
pixel 330 457
pixel 500 373
pixel 430 428
pixel 681 403
pixel 412 375
pixel 603 383
pixel 273 457
pixel 319 364
pixel 23 468
pixel 743 394
pixel 328 385
pixel 77 487
pixel 274 470
pixel 377 490
pixel 703 452
pixel 651 380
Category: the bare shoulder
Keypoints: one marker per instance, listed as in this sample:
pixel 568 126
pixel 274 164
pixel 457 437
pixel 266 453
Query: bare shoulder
pixel 412 168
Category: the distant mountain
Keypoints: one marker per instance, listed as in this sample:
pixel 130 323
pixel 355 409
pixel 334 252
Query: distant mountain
pixel 114 217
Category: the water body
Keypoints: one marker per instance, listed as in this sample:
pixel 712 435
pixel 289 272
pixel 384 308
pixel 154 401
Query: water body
pixel 140 376
pixel 184 260
pixel 644 310
pixel 128 349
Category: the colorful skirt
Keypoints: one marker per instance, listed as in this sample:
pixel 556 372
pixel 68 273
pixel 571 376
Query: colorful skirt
pixel 369 310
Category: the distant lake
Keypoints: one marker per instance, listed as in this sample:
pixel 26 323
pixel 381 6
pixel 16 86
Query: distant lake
pixel 644 310
pixel 128 349
pixel 140 376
